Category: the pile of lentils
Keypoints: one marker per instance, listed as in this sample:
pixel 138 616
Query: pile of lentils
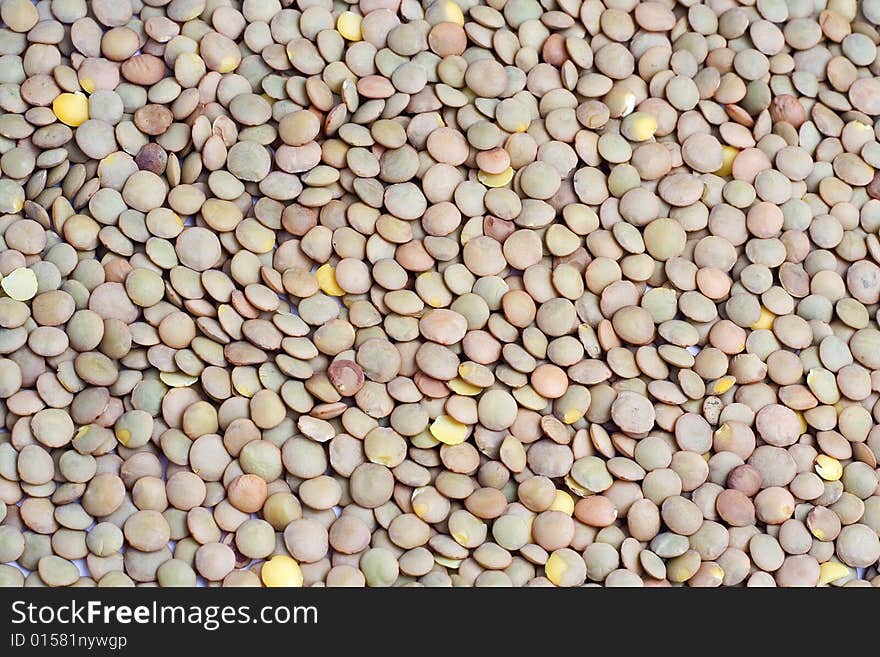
pixel 443 293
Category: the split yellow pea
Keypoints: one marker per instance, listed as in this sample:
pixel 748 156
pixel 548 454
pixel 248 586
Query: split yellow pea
pixel 448 430
pixel 349 25
pixel 728 155
pixel 765 320
pixel 723 384
pixel 830 469
pixel 803 421
pixel 461 387
pixel 555 568
pixel 282 571
pixel 447 562
pixel 123 436
pixel 451 12
pixel 831 571
pixel 71 108
pixel 326 276
pixel 496 179
pixel 563 502
pixel 576 488
pixel 639 126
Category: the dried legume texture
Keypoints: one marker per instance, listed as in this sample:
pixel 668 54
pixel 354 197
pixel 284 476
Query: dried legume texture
pixel 453 293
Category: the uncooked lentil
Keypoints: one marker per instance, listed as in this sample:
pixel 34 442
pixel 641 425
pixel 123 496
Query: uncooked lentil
pixel 454 292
